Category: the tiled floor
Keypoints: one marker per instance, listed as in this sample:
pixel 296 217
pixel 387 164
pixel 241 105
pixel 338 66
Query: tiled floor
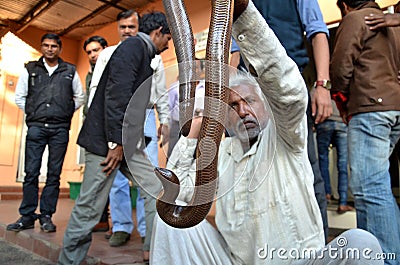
pixel 48 244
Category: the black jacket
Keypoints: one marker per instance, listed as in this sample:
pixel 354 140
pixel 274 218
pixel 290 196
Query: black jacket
pixel 127 69
pixel 50 99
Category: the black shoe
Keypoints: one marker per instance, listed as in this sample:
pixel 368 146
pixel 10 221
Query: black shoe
pixel 46 225
pixel 24 222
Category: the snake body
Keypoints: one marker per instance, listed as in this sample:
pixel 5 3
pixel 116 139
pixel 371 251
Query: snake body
pixel 216 96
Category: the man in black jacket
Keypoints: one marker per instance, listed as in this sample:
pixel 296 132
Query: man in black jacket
pixel 127 75
pixel 49 91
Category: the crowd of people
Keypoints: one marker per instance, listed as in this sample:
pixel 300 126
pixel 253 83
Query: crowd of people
pixel 273 185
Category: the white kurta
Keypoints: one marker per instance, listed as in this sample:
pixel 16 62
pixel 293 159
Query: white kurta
pixel 265 197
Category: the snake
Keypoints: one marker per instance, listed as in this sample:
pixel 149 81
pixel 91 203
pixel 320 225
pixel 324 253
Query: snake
pixel 216 97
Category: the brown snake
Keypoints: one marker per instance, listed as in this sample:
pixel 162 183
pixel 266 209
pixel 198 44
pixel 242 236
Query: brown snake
pixel 217 79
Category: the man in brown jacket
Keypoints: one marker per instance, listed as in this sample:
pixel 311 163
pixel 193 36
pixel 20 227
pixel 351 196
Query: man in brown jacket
pixel 363 71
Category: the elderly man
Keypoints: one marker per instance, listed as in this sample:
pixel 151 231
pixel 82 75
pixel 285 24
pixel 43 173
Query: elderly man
pixel 265 200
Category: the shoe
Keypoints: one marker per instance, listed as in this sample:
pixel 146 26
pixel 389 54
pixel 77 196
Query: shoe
pixel 328 198
pixel 24 222
pixel 108 234
pixel 101 227
pixel 344 208
pixel 146 257
pixel 46 225
pixel 119 238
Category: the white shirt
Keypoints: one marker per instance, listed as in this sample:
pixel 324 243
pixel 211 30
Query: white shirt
pixel 265 196
pixel 21 90
pixel 158 95
pixel 272 201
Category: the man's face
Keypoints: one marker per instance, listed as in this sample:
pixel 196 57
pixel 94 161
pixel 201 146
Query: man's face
pixel 50 49
pixel 247 114
pixel 161 41
pixel 128 27
pixel 93 50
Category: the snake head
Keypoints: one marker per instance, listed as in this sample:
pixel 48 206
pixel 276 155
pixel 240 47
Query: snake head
pixel 170 183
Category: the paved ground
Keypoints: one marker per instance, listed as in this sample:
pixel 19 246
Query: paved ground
pixel 11 254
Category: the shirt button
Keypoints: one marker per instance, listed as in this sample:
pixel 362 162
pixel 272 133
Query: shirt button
pixel 47 105
pixel 241 37
pixel 380 100
pixel 46 125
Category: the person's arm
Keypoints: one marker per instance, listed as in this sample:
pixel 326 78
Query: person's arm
pixel 317 33
pixel 160 98
pixel 321 104
pixel 348 46
pixel 21 90
pixel 376 21
pixel 79 96
pixel 235 54
pixel 278 76
pixel 98 70
pixel 182 161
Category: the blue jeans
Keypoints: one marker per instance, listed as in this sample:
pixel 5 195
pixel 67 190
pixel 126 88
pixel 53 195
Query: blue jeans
pixel 36 140
pixel 121 213
pixel 334 132
pixel 121 207
pixel 372 137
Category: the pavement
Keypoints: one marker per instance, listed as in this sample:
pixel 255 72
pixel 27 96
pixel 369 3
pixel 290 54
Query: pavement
pixel 11 254
pixel 33 245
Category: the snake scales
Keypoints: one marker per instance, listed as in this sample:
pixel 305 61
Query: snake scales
pixel 217 54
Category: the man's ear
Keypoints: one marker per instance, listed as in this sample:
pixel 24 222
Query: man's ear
pixel 155 33
pixel 158 31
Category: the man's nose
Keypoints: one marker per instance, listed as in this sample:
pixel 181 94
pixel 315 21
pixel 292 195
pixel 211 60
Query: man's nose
pixel 243 110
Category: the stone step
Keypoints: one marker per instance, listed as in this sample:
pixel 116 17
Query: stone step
pixel 15 193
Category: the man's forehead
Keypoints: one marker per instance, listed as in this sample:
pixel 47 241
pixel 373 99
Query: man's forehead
pixel 242 91
pixel 132 20
pixel 49 41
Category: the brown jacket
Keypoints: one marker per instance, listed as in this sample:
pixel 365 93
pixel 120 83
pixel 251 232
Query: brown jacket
pixel 365 64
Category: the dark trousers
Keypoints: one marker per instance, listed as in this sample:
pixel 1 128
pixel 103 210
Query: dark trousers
pixel 319 188
pixel 36 140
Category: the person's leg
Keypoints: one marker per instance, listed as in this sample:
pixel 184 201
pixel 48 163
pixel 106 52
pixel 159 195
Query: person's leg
pixel 342 161
pixel 86 212
pixel 58 143
pixel 145 177
pixel 36 141
pixel 151 151
pixel 140 214
pixel 319 188
pixel 352 247
pixel 371 138
pixel 120 205
pixel 324 135
pixel 150 130
pixel 102 225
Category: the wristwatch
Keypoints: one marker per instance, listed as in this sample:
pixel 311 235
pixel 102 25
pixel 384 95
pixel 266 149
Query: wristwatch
pixel 324 83
pixel 112 145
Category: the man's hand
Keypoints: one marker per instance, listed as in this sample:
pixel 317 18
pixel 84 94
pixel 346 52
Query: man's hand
pixel 376 21
pixel 240 6
pixel 343 114
pixel 321 104
pixel 196 125
pixel 163 131
pixel 114 157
